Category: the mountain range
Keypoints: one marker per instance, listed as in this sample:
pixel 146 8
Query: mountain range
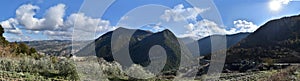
pixel 139 45
pixel 141 42
pixel 277 40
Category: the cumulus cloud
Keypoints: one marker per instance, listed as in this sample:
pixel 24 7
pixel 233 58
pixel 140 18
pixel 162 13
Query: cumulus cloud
pixel 10 26
pixel 86 23
pixel 198 29
pixel 86 26
pixel 195 28
pixel 53 24
pixel 241 26
pixel 24 15
pixel 53 18
pixel 206 27
pixel 179 13
pixel 202 29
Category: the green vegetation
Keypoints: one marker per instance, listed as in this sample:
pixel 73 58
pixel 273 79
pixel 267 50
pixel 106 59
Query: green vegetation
pixel 18 61
pixel 16 50
pixel 43 69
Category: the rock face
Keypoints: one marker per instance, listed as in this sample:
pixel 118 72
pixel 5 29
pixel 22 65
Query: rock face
pixel 276 41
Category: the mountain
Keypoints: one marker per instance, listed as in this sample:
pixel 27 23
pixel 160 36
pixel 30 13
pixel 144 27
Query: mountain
pixel 187 40
pixel 165 39
pixel 276 41
pixel 139 45
pixel 51 47
pixel 102 45
pixel 205 43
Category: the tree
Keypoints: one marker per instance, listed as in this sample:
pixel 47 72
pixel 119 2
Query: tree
pixel 3 42
pixel 24 48
pixel 32 50
pixel 1 30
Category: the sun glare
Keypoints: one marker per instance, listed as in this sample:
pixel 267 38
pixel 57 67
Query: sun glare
pixel 275 5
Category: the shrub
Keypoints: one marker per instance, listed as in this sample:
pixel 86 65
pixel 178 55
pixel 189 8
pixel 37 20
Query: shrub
pixel 40 69
pixel 24 48
pixel 32 50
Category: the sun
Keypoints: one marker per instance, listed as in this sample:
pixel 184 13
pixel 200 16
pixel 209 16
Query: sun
pixel 275 5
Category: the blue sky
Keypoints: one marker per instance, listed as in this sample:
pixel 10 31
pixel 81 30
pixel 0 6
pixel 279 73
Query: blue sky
pixel 237 16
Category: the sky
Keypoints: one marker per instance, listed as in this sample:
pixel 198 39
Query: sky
pixel 28 20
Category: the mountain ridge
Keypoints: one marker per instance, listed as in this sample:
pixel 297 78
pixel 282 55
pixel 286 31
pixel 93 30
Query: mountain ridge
pixel 277 40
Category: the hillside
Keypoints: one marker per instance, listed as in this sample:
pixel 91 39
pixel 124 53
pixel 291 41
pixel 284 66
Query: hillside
pixel 19 62
pixel 139 45
pixel 205 43
pixel 51 47
pixel 276 41
pixel 102 45
pixel 15 49
pixel 167 40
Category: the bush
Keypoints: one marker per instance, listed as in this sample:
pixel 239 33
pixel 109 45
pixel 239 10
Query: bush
pixel 44 67
pixel 32 50
pixel 24 48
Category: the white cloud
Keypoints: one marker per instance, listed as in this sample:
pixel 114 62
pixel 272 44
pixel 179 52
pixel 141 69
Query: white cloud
pixel 202 29
pixel 197 29
pixel 33 32
pixel 14 31
pixel 242 26
pixel 158 28
pixel 54 17
pixel 58 34
pixel 206 27
pixel 154 27
pixel 88 24
pixel 10 23
pixel 10 26
pixel 179 13
pixel 25 16
pixel 52 23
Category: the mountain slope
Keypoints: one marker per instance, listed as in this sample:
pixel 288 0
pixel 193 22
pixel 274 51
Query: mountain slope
pixel 140 44
pixel 51 47
pixel 102 45
pixel 166 39
pixel 277 40
pixel 205 43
